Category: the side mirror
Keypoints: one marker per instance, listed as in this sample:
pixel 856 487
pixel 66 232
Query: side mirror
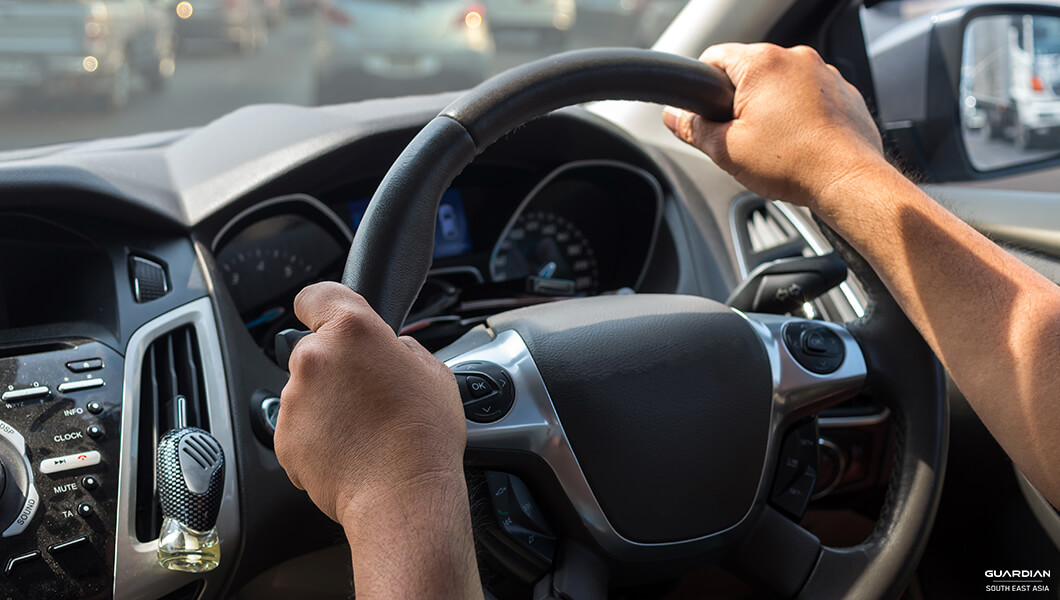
pixel 1009 85
pixel 972 92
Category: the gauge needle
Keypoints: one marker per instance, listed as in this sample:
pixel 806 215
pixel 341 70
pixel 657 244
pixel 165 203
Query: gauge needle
pixel 270 315
pixel 550 287
pixel 547 270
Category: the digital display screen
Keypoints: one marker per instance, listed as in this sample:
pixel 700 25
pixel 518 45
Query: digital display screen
pixel 451 234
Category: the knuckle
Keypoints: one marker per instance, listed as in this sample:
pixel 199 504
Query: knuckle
pixel 358 300
pixel 307 358
pixel 768 53
pixel 352 317
pixel 804 51
pixel 310 295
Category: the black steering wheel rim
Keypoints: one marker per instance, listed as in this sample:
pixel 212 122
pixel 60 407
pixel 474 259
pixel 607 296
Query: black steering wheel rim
pixel 391 255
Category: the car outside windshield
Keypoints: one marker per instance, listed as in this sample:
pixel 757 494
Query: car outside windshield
pixel 85 69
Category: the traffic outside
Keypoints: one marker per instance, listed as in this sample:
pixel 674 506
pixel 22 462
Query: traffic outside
pixel 167 65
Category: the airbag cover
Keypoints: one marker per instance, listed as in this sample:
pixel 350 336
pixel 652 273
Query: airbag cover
pixel 666 402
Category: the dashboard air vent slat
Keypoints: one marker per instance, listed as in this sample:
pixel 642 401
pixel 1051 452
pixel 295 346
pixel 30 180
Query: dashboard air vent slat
pixel 765 231
pixel 172 367
pixel 763 234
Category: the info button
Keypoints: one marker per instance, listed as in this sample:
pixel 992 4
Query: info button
pixel 69 462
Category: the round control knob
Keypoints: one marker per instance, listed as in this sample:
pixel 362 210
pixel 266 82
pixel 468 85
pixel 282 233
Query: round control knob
pixel 18 496
pixel 486 390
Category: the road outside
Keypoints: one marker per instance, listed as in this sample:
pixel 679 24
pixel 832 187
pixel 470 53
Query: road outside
pixel 209 83
pixel 988 154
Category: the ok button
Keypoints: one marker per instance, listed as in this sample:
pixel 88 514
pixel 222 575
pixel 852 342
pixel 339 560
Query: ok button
pixel 478 386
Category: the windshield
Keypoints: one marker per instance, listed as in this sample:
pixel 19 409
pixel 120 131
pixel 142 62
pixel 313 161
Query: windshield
pixel 1047 36
pixel 85 69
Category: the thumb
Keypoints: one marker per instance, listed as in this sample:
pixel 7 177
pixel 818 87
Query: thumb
pixel 694 130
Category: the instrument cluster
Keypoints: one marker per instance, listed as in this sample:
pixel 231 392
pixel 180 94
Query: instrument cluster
pixel 502 240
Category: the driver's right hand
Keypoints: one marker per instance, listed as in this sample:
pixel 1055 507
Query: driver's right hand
pixel 798 127
pixel 367 417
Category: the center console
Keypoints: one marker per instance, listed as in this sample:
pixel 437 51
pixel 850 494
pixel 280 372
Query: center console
pixel 108 340
pixel 59 451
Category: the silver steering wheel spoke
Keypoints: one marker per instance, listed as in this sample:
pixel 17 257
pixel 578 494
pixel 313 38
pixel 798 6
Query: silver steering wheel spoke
pixel 532 421
pixel 806 380
pixel 532 425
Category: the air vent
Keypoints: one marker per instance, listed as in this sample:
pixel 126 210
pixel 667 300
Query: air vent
pixel 172 369
pixel 762 233
pixel 765 232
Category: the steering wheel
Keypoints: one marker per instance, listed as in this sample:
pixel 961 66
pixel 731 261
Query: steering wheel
pixel 649 426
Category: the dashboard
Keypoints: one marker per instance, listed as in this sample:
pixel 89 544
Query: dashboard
pixel 142 281
pixel 585 228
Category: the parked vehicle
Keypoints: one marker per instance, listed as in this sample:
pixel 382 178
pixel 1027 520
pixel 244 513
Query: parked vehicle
pixel 551 19
pixel 1012 71
pixel 370 48
pixel 240 24
pixel 84 49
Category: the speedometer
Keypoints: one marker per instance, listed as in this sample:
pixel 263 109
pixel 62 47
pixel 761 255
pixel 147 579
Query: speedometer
pixel 549 252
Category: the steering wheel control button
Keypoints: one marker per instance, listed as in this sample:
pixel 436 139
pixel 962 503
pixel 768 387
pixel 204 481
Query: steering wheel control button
pixel 486 390
pixel 479 387
pixel 814 341
pixel 94 407
pixel 89 482
pixel 519 517
pixel 70 462
pixel 20 560
pixel 31 393
pixel 814 346
pixel 796 470
pixel 94 431
pixel 81 366
pixel 485 411
pixel 77 386
pixel 85 510
pixel 77 542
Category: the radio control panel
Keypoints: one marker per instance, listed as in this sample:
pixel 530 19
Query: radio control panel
pixel 60 415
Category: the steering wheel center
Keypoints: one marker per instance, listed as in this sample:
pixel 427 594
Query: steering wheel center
pixel 666 403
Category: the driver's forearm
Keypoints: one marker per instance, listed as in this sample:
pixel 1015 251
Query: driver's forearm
pixel 414 544
pixel 993 321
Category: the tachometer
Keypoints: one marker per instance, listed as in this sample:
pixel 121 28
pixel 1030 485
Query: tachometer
pixel 266 263
pixel 549 252
pixel 254 275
